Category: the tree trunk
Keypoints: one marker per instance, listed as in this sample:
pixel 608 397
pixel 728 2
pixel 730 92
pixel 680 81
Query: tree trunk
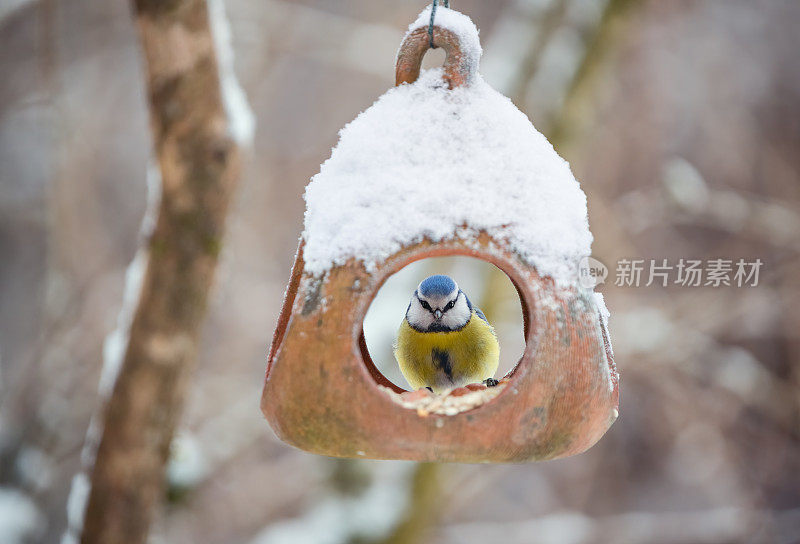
pixel 199 163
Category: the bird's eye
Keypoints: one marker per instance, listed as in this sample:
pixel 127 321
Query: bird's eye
pixel 451 304
pixel 425 305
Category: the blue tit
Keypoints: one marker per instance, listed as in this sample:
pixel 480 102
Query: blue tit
pixel 444 342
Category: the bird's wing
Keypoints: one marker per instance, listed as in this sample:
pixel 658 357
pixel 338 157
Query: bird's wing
pixel 479 313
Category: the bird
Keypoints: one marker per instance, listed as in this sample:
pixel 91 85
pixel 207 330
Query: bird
pixel 444 342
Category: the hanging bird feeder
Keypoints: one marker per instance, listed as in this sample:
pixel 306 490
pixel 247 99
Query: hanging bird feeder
pixel 441 165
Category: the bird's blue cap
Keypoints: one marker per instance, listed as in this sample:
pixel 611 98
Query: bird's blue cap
pixel 437 286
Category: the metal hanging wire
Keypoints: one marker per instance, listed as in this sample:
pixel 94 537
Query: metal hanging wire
pixel 433 16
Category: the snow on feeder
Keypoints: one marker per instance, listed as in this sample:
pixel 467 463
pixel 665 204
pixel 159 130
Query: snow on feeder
pixel 441 165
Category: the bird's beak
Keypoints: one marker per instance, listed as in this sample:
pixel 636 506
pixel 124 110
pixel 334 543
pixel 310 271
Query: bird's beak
pixel 437 314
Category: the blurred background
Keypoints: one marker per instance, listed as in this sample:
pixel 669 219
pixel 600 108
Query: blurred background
pixel 680 118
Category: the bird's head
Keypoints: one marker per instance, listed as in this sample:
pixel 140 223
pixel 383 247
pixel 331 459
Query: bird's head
pixel 438 305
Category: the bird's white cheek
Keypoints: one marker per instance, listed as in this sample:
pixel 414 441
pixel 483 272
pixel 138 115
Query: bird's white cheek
pixel 459 315
pixel 419 317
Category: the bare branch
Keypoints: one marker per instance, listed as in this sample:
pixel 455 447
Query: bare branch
pixel 199 163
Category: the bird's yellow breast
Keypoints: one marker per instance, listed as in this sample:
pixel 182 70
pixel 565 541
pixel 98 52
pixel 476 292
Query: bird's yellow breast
pixel 443 360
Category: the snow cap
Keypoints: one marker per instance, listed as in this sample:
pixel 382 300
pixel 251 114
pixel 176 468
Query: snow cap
pixel 425 161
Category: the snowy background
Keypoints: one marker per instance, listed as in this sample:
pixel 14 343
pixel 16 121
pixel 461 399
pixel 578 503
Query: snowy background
pixel 681 120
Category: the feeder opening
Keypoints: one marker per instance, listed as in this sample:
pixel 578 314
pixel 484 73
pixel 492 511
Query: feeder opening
pixel 488 289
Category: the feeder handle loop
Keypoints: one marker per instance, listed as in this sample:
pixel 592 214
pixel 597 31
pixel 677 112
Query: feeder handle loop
pixel 457 66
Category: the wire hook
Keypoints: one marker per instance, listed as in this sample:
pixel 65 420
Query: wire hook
pixel 433 15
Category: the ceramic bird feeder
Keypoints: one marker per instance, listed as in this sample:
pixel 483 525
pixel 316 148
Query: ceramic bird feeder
pixel 441 165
